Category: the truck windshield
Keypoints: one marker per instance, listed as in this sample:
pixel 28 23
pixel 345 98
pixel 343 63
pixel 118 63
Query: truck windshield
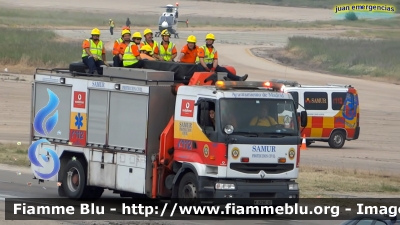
pixel 259 116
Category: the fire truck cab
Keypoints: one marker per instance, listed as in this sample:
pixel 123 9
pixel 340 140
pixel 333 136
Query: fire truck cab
pixel 137 132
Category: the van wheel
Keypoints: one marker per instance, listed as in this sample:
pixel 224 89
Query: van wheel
pixel 337 139
pixel 188 189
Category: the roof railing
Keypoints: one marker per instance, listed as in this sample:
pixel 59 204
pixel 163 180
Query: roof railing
pixel 286 82
pixel 340 85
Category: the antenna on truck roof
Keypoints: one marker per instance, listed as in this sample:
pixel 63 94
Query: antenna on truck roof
pixel 286 82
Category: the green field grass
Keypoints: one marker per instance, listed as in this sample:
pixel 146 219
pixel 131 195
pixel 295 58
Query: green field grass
pixel 42 18
pixel 36 48
pixel 381 34
pixel 13 154
pixel 12 17
pixel 306 3
pixel 343 56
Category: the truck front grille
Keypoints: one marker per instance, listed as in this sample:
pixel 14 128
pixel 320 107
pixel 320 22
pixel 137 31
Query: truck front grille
pixel 255 168
pixel 262 195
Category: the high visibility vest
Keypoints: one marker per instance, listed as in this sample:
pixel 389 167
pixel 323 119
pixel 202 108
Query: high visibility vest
pixel 154 46
pixel 128 58
pixel 94 49
pixel 208 56
pixel 166 54
pixel 112 24
pixel 119 41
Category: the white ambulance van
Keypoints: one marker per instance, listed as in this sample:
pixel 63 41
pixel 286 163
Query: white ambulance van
pixel 333 111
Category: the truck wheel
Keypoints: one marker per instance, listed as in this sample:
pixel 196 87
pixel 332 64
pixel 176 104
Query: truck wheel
pixel 74 180
pixel 308 143
pixel 337 139
pixel 187 191
pixel 93 193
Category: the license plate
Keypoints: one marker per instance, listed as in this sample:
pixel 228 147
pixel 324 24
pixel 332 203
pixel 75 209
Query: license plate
pixel 262 202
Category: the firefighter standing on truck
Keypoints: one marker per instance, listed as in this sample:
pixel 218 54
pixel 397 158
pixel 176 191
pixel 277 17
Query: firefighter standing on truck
pixel 94 53
pixel 208 59
pixel 189 51
pixel 117 61
pixel 148 40
pixel 167 49
pixel 131 56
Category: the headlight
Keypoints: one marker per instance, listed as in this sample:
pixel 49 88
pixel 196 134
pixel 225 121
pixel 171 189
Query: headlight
pixel 293 187
pixel 221 186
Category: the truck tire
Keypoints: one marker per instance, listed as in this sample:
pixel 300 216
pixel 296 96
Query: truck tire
pixel 308 143
pixel 337 139
pixel 74 180
pixel 79 191
pixel 187 191
pixel 93 193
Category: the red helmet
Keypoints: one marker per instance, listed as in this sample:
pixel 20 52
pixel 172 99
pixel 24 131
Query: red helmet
pixel 126 28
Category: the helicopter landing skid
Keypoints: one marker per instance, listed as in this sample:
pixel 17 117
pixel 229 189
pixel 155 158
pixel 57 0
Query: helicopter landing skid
pixel 157 34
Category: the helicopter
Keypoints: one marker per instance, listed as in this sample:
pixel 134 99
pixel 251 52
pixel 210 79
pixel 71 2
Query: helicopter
pixel 169 20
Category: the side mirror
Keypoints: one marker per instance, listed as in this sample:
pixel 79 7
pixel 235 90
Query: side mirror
pixel 303 119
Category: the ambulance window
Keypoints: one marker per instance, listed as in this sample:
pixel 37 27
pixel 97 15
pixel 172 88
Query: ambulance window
pixel 295 96
pixel 338 100
pixel 315 100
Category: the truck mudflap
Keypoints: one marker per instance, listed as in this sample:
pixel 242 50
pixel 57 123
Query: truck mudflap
pixel 246 192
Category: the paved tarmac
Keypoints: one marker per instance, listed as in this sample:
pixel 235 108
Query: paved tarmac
pixel 13 184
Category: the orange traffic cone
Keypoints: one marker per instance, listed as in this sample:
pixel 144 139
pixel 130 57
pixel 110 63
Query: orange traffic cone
pixel 303 143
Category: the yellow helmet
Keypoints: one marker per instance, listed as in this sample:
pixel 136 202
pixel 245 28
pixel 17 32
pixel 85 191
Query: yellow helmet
pixel 146 48
pixel 210 36
pixel 137 35
pixel 147 31
pixel 191 39
pixel 125 32
pixel 95 31
pixel 165 33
